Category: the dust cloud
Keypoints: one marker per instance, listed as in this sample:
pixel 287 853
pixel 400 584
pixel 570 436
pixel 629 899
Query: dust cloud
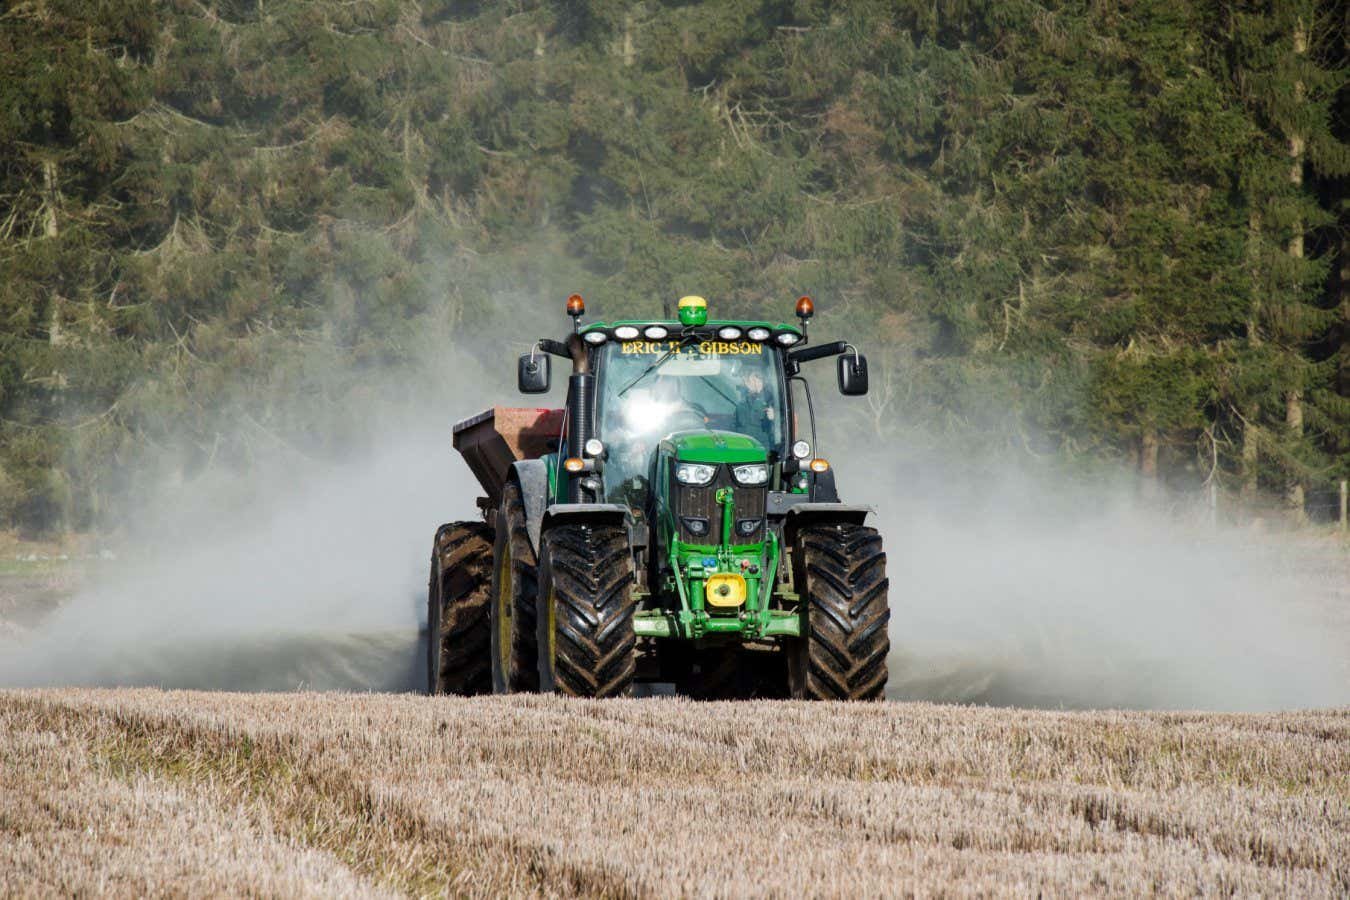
pixel 302 573
pixel 305 574
pixel 316 583
pixel 1031 590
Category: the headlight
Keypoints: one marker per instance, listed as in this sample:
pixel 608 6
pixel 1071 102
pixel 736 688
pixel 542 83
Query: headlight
pixel 758 334
pixel 595 337
pixel 755 473
pixel 801 450
pixel 655 332
pixel 695 525
pixel 626 332
pixel 694 473
pixel 729 333
pixel 787 339
pixel 594 448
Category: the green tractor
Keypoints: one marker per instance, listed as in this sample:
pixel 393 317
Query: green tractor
pixel 670 529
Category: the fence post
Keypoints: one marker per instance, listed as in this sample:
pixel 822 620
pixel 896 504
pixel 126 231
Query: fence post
pixel 1345 495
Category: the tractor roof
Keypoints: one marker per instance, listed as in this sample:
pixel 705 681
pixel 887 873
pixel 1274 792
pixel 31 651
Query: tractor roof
pixel 712 325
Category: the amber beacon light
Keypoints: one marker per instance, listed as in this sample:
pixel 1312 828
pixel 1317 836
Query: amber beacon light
pixel 806 308
pixel 575 306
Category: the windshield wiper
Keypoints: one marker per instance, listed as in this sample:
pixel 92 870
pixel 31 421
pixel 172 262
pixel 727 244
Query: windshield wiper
pixel 656 365
pixel 717 390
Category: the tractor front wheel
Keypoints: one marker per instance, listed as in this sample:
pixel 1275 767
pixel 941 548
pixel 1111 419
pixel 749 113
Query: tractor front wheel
pixel 840 573
pixel 457 610
pixel 587 646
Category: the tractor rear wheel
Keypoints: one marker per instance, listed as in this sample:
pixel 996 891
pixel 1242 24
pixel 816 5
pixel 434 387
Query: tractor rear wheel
pixel 587 646
pixel 840 573
pixel 458 636
pixel 515 659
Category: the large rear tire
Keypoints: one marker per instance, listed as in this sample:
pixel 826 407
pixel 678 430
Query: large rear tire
pixel 458 636
pixel 840 573
pixel 587 645
pixel 515 657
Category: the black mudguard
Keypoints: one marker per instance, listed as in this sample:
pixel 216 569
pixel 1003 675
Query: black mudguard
pixel 803 515
pixel 586 513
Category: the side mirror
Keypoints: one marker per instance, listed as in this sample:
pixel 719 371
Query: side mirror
pixel 852 374
pixel 533 373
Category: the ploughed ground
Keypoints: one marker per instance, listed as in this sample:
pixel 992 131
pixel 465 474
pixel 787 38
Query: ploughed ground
pixel 145 791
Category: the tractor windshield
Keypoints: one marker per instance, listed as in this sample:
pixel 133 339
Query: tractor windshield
pixel 723 385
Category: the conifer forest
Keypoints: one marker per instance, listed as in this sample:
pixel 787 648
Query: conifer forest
pixel 1094 233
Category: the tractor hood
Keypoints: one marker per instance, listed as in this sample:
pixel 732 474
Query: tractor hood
pixel 708 446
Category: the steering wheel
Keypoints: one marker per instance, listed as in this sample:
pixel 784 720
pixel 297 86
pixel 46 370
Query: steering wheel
pixel 692 413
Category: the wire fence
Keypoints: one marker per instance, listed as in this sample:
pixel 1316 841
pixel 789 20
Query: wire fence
pixel 1214 506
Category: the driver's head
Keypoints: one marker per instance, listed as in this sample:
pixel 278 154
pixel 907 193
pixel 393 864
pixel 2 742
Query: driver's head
pixel 754 382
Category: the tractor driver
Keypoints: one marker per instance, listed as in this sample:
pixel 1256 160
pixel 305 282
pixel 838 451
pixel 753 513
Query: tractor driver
pixel 756 414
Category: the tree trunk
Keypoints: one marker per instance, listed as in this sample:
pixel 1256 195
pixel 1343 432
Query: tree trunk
pixel 1254 260
pixel 1251 451
pixel 1293 419
pixel 51 198
pixel 1293 404
pixel 1148 463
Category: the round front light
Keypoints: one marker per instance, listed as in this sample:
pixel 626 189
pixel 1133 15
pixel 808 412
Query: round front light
pixel 787 339
pixel 655 332
pixel 801 450
pixel 729 333
pixel 595 337
pixel 594 448
pixel 625 332
pixel 694 473
pixel 758 334
pixel 755 473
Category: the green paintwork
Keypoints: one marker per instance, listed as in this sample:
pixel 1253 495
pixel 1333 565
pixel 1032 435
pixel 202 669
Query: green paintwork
pixel 689 574
pixel 714 447
pixel 552 462
pixel 661 624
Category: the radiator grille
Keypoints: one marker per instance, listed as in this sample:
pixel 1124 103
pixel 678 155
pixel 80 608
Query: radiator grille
pixel 701 502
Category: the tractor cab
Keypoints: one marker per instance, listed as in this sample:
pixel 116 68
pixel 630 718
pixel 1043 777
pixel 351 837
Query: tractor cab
pixel 649 392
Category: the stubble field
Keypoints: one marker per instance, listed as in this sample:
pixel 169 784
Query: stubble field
pixel 143 791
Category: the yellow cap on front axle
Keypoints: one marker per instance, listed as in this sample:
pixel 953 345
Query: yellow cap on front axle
pixel 693 311
pixel 725 589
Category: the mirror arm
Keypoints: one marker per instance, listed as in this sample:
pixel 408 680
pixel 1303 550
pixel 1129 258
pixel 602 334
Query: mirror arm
pixel 820 351
pixel 554 348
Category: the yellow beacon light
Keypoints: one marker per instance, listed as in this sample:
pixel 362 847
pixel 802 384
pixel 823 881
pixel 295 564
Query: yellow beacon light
pixel 693 311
